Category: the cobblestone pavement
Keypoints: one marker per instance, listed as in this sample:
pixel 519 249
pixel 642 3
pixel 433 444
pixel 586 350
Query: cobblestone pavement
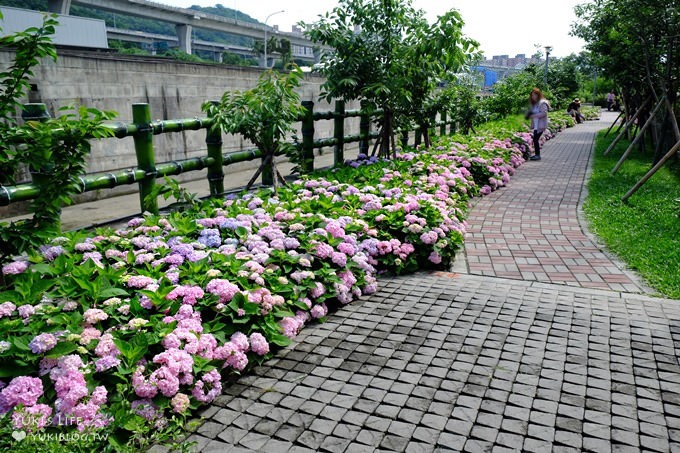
pixel 531 230
pixel 437 362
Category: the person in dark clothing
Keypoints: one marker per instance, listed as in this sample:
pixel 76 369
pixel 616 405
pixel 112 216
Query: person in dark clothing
pixel 574 110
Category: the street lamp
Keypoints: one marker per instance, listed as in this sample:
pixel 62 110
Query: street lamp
pixel 548 49
pixel 265 35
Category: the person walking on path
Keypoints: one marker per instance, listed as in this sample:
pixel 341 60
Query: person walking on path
pixel 539 119
pixel 611 97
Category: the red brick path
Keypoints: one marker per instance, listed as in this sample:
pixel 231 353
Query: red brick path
pixel 531 230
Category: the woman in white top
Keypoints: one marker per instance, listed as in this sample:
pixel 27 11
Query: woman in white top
pixel 539 119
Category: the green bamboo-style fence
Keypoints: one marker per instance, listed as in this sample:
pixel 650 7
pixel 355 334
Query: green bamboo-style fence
pixel 143 129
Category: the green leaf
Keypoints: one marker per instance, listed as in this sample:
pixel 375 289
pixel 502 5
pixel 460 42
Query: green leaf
pixel 21 343
pixel 61 349
pixel 112 292
pixel 8 371
pixel 279 339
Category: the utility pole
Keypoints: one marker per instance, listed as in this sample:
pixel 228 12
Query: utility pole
pixel 548 49
pixel 265 36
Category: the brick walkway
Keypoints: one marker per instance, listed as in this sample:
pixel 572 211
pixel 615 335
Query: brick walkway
pixel 540 361
pixel 437 362
pixel 531 230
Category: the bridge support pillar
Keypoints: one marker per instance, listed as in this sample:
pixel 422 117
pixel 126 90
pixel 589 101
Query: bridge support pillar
pixel 184 36
pixel 59 6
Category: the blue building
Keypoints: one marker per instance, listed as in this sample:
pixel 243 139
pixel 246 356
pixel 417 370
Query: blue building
pixel 490 76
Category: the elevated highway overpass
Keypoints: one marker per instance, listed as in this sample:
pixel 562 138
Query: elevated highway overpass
pixel 184 20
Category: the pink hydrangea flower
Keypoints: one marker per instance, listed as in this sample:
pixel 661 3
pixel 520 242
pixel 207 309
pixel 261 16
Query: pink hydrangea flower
pixel 94 315
pixel 435 258
pixel 241 341
pixel 140 281
pixel 208 387
pixel 15 268
pixel 319 311
pixel 259 344
pixel 180 403
pixel 88 334
pixel 318 290
pixel 189 294
pixel 222 288
pixel 23 390
pixel 106 363
pixel 31 418
pixel 6 309
pixel 26 311
pixel 429 238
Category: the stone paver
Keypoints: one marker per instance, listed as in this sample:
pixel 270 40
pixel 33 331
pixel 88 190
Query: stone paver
pixel 451 362
pixel 531 230
pixel 448 362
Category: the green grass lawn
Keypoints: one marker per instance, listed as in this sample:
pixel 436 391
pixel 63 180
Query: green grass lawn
pixel 645 232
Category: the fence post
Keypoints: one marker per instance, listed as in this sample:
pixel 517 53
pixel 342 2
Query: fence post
pixel 433 126
pixel 141 117
pixel 442 126
pixel 339 133
pixel 364 130
pixel 213 140
pixel 308 137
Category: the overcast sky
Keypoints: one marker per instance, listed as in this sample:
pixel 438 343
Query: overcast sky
pixel 501 26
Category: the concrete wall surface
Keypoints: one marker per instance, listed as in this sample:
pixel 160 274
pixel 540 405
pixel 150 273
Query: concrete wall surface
pixel 173 89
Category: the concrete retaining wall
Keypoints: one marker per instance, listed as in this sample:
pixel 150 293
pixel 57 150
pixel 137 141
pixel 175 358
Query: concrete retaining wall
pixel 173 89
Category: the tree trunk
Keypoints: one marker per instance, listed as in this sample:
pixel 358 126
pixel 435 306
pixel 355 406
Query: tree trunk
pixel 627 108
pixel 386 134
pixel 425 130
pixel 666 137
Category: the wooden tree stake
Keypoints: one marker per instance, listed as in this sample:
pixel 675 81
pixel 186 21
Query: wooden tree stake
pixel 627 125
pixel 651 172
pixel 641 132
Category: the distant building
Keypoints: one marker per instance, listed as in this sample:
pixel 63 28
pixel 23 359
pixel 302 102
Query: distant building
pixel 301 51
pixel 519 61
pixel 500 66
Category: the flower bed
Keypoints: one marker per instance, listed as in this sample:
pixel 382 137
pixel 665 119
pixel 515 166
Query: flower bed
pixel 591 113
pixel 126 332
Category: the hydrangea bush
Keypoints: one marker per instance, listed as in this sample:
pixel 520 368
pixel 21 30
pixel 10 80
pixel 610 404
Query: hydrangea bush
pixel 128 331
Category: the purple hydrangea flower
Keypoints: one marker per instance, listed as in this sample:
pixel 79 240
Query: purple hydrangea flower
pixel 42 343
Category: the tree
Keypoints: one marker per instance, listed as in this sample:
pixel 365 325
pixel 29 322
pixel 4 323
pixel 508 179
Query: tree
pixel 237 60
pixel 634 42
pixel 54 150
pixel 264 115
pixel 275 46
pixel 460 99
pixel 511 95
pixel 430 51
pixel 389 57
pixel 367 61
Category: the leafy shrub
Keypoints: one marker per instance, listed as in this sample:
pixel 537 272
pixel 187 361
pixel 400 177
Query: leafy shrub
pixel 144 322
pixel 264 115
pixel 54 150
